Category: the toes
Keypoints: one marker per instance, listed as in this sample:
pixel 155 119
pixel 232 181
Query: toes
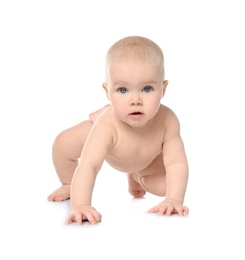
pixel 50 198
pixel 57 198
pixel 138 193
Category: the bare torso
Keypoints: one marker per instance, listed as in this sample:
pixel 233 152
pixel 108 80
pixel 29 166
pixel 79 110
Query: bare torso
pixel 135 149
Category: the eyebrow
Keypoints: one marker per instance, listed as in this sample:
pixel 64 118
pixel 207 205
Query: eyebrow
pixel 118 83
pixel 150 82
pixel 143 83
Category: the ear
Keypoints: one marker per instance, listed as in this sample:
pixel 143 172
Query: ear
pixel 104 85
pixel 165 83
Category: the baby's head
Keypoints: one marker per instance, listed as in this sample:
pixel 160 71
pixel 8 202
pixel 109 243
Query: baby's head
pixel 135 49
pixel 134 82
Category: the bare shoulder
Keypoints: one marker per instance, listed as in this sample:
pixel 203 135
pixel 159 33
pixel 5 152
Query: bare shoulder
pixel 104 127
pixel 168 115
pixel 171 122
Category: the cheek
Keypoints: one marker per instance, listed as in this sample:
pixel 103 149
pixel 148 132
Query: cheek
pixel 152 103
pixel 153 100
pixel 117 98
pixel 117 102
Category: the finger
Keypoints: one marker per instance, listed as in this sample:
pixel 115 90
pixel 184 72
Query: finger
pixel 185 210
pixel 162 210
pixel 179 211
pixel 78 218
pixel 154 209
pixel 90 217
pixel 97 216
pixel 70 219
pixel 169 210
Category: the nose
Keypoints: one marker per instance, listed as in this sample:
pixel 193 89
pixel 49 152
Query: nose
pixel 135 100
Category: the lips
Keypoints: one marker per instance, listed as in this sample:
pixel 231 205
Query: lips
pixel 136 113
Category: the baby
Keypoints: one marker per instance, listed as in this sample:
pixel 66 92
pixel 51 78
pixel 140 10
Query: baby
pixel 134 134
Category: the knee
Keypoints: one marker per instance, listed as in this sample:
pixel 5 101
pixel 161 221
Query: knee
pixel 154 186
pixel 61 143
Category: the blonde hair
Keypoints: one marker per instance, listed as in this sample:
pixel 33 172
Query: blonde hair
pixel 137 49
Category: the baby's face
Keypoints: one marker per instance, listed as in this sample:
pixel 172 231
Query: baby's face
pixel 135 91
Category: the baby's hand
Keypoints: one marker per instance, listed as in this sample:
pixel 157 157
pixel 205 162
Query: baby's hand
pixel 170 206
pixel 84 212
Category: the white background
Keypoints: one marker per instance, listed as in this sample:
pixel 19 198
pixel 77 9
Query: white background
pixel 51 69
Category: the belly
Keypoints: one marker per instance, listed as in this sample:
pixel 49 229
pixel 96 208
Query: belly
pixel 131 163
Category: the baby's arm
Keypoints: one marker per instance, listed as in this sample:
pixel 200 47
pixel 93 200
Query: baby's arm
pixel 176 166
pixel 92 158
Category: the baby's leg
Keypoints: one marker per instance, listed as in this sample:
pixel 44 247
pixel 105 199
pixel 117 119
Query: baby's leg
pixel 134 185
pixel 153 177
pixel 66 151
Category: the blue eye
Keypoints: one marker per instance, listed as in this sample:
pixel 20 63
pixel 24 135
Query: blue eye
pixel 147 89
pixel 122 90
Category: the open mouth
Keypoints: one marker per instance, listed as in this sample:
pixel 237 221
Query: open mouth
pixel 136 113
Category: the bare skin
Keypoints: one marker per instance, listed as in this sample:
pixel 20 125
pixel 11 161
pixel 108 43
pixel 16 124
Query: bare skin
pixel 67 149
pixel 66 152
pixel 134 186
pixel 139 182
pixel 136 134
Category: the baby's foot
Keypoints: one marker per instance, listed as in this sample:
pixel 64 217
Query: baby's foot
pixel 63 193
pixel 134 187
